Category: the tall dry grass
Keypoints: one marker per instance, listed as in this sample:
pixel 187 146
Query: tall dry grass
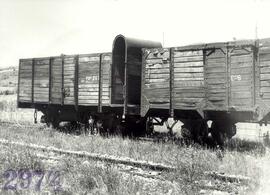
pixel 10 113
pixel 192 161
pixel 77 176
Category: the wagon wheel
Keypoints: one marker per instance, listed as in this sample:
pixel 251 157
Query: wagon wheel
pixel 222 131
pixel 186 132
pixel 195 130
pixel 100 128
pixel 149 127
pixel 218 134
pixel 54 123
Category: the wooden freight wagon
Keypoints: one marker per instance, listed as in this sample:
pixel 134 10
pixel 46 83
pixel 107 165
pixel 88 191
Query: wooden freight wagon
pixel 65 87
pixel 223 82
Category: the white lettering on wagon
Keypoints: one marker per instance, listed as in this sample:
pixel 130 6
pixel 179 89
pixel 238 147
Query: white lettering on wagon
pixel 236 77
pixel 92 78
pixel 89 79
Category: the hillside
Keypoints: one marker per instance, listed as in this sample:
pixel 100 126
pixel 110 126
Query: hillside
pixel 8 80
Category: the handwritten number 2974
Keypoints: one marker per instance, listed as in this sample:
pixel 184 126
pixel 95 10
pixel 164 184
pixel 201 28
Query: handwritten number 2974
pixel 25 177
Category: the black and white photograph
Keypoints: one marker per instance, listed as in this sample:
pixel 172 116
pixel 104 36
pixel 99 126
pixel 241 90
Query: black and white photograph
pixel 139 97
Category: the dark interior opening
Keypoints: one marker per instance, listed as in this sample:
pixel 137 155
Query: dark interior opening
pixel 134 60
pixel 134 63
pixel 118 71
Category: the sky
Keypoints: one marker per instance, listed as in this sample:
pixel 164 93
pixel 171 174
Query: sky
pixel 40 28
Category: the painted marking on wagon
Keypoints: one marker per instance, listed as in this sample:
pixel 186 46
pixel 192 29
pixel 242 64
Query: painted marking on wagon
pixel 236 77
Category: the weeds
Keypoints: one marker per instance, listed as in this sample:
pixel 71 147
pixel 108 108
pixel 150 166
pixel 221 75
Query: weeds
pixel 87 177
pixel 249 146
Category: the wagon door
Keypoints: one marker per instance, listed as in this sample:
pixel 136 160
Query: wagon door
pixel 241 69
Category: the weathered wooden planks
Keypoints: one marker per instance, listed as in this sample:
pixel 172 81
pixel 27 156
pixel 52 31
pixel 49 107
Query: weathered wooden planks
pixel 241 77
pixel 188 76
pixel 25 81
pixel 41 80
pixel 216 78
pixel 264 64
pixel 156 78
pixel 60 84
pixel 88 79
pixel 208 78
pixel 69 79
pixel 90 85
pixel 56 80
pixel 106 73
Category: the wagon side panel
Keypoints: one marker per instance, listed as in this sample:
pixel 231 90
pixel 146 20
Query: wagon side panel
pixel 88 80
pixel 106 72
pixel 41 80
pixel 264 65
pixel 155 90
pixel 216 79
pixel 69 79
pixel 25 81
pixel 188 79
pixel 56 80
pixel 242 86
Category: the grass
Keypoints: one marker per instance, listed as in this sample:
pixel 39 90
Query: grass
pixel 76 176
pixel 81 176
pixel 10 113
pixel 84 176
pixel 8 78
pixel 248 146
pixel 192 161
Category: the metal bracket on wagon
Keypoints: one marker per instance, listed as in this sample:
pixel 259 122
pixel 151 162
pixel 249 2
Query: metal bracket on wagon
pixel 145 102
pixel 200 107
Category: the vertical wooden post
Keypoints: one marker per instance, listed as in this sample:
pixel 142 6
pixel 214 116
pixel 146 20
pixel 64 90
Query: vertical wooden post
pixel 257 70
pixel 142 103
pixel 50 80
pixel 100 84
pixel 125 87
pixel 62 83
pixel 18 88
pixel 76 81
pixel 229 75
pixel 255 57
pixel 205 66
pixel 171 111
pixel 33 76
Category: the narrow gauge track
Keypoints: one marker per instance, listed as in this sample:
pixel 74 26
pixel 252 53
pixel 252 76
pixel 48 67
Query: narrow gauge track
pixel 140 168
pixel 129 163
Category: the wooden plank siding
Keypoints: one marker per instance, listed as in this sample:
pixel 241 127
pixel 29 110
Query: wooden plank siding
pixel 25 81
pixel 264 71
pixel 188 79
pixel 88 84
pixel 69 79
pixel 66 80
pixel 89 79
pixel 106 75
pixel 241 77
pixel 41 80
pixel 156 78
pixel 204 78
pixel 216 79
pixel 56 80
